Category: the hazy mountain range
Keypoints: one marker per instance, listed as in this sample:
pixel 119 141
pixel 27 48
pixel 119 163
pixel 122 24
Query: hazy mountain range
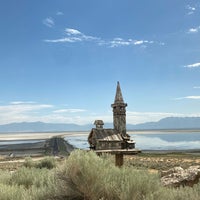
pixel 165 123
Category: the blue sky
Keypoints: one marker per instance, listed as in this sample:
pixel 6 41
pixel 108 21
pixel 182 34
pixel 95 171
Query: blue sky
pixel 60 60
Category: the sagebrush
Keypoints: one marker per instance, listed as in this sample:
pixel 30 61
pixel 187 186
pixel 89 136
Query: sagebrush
pixel 85 176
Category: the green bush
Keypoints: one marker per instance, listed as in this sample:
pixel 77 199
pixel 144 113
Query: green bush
pixel 28 183
pixel 48 162
pixel 28 177
pixel 12 192
pixel 28 162
pixel 5 177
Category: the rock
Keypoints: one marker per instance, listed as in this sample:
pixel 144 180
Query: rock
pixel 171 171
pixel 178 176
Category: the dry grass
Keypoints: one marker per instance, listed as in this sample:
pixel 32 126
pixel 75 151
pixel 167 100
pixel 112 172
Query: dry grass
pixel 161 162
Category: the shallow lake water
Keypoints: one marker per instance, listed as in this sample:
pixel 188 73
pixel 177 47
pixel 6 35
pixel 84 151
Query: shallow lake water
pixel 152 141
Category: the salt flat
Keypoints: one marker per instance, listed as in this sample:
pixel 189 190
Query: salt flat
pixel 47 135
pixel 37 136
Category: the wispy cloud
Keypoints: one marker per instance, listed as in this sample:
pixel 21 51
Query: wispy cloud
pixel 141 117
pixel 194 65
pixel 196 87
pixel 188 97
pixel 49 22
pixel 22 102
pixel 23 107
pixel 59 13
pixel 19 111
pixel 194 30
pixel 118 42
pixel 74 35
pixel 71 31
pixel 74 110
pixel 190 9
pixel 29 112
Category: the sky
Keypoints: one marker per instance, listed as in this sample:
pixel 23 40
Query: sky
pixel 60 60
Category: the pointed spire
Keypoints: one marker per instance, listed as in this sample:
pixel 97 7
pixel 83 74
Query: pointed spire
pixel 118 96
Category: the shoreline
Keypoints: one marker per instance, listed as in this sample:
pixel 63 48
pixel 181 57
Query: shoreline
pixel 164 131
pixel 183 151
pixel 37 135
pixel 46 135
pixel 41 137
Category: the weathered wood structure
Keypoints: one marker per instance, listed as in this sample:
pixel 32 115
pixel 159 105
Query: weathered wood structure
pixel 115 141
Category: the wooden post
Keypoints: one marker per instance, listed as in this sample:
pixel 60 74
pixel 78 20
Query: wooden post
pixel 119 159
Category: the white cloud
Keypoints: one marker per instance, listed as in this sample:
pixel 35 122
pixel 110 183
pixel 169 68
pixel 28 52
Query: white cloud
pixel 22 102
pixel 196 87
pixel 188 97
pixel 193 65
pixel 49 22
pixel 194 30
pixel 24 112
pixel 190 9
pixel 61 40
pixel 142 117
pixel 21 111
pixel 74 35
pixel 71 31
pixel 192 97
pixel 59 13
pixel 139 42
pixel 74 110
pixel 117 42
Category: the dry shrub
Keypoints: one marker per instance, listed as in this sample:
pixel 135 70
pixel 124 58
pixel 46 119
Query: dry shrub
pixel 87 176
pixel 47 162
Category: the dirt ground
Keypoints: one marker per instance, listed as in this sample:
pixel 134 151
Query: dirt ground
pixel 152 162
pixel 164 161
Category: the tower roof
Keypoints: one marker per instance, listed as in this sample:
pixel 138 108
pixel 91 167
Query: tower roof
pixel 118 96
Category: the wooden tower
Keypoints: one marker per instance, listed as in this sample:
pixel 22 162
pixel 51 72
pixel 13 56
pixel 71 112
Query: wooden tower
pixel 119 112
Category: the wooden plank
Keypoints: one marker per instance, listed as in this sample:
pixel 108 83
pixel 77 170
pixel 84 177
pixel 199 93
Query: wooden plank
pixel 119 151
pixel 119 160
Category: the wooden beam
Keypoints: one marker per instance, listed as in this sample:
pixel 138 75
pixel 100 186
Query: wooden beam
pixel 119 160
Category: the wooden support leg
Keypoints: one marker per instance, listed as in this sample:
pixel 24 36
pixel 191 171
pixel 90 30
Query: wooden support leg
pixel 119 160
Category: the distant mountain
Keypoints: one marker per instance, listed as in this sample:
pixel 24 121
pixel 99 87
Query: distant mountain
pixel 45 127
pixel 40 127
pixel 169 123
pixel 165 123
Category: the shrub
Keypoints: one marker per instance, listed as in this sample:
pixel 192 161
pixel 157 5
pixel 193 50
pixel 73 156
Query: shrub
pixel 27 183
pixel 87 176
pixel 5 177
pixel 12 192
pixel 28 177
pixel 48 162
pixel 28 162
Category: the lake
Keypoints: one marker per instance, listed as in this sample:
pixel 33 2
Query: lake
pixel 152 141
pixel 146 140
